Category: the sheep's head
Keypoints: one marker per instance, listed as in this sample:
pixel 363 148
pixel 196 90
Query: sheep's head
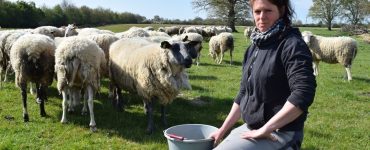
pixel 193 47
pixel 307 36
pixel 179 53
pixel 70 30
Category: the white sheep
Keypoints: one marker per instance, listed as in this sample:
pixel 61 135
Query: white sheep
pixel 248 32
pixel 92 31
pixel 133 32
pixel 78 63
pixel 50 31
pixel 331 50
pixel 219 44
pixel 152 70
pixel 32 59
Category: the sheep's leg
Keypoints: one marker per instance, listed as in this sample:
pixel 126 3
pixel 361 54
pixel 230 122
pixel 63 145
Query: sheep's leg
pixel 348 70
pixel 38 94
pixel 231 56
pixel 197 59
pixel 41 92
pixel 8 67
pixel 90 102
pixel 163 116
pixel 149 113
pixel 32 89
pixel 84 108
pixel 119 100
pixel 70 96
pixel 221 57
pixel 24 100
pixel 315 66
pixel 64 105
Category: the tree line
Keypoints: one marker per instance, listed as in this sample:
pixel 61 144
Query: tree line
pixel 22 14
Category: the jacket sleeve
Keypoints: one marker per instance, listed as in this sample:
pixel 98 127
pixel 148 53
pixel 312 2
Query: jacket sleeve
pixel 297 61
pixel 242 89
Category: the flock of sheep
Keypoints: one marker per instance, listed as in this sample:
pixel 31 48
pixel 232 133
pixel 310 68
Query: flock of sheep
pixel 151 64
pixel 142 61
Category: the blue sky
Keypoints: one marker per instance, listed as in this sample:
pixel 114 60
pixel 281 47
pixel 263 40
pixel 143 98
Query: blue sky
pixel 170 9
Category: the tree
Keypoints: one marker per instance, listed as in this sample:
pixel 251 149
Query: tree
pixel 355 10
pixel 325 11
pixel 227 10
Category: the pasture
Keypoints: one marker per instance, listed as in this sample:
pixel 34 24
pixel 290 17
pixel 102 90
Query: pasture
pixel 339 118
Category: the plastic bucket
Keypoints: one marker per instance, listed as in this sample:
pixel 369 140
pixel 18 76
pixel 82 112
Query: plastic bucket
pixel 189 137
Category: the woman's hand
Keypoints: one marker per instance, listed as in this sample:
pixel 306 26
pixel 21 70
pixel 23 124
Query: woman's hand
pixel 217 136
pixel 258 134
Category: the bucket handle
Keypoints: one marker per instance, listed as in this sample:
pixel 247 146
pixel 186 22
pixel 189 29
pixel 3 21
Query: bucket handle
pixel 175 137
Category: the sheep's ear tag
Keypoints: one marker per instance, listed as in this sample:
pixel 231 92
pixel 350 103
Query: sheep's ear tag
pixel 185 39
pixel 166 45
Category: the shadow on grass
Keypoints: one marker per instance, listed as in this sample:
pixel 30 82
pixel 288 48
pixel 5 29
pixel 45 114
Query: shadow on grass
pixel 200 77
pixel 367 80
pixel 131 123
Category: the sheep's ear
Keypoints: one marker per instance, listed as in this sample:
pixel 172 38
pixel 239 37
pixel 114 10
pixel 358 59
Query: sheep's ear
pixel 185 39
pixel 193 43
pixel 166 45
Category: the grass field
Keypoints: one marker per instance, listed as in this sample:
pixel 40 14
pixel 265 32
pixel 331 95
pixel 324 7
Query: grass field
pixel 338 118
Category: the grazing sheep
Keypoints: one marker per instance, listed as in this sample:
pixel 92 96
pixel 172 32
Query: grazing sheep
pixel 219 44
pixel 331 50
pixel 32 59
pixel 92 31
pixel 248 32
pixel 151 70
pixel 50 31
pixel 133 32
pixel 78 62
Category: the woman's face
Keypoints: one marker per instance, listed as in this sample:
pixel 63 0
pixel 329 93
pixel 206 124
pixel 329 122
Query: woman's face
pixel 265 14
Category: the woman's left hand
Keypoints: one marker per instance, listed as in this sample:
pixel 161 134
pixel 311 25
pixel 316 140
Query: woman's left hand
pixel 258 134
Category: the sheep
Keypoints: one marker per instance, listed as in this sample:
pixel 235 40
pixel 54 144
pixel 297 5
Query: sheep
pixel 219 44
pixel 70 30
pixel 32 59
pixel 151 70
pixel 78 62
pixel 331 50
pixel 50 31
pixel 196 38
pixel 248 32
pixel 92 31
pixel 133 32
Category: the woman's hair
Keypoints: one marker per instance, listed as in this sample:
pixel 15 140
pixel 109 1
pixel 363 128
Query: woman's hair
pixel 285 9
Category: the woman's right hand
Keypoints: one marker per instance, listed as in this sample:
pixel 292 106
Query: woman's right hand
pixel 217 136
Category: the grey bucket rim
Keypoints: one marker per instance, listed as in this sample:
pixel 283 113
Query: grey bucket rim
pixel 185 140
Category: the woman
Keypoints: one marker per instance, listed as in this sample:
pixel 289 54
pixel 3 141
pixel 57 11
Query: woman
pixel 277 84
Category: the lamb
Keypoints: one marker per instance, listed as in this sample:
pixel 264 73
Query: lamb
pixel 78 62
pixel 32 59
pixel 331 50
pixel 219 44
pixel 151 70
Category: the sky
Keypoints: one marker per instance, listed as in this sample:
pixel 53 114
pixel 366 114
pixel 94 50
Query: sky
pixel 168 9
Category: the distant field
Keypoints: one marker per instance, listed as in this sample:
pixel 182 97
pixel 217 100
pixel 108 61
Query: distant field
pixel 338 118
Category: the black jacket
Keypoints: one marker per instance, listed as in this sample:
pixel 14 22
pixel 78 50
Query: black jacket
pixel 280 71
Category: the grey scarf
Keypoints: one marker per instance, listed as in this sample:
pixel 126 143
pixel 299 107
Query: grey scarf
pixel 264 38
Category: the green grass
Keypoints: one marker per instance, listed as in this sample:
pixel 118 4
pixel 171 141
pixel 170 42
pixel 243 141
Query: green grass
pixel 338 118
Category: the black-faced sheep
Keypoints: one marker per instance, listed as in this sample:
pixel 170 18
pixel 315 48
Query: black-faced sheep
pixel 219 44
pixel 331 50
pixel 32 59
pixel 192 37
pixel 78 62
pixel 154 71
